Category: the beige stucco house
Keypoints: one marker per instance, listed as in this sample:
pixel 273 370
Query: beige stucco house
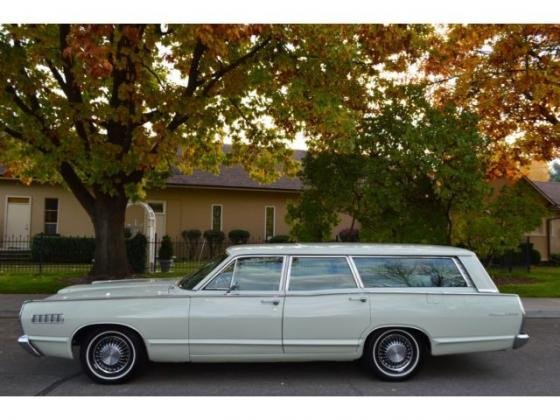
pixel 202 201
pixel 230 200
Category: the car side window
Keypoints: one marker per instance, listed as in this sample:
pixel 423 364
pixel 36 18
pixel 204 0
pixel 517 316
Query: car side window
pixel 249 274
pixel 222 280
pixel 320 273
pixel 257 274
pixel 409 272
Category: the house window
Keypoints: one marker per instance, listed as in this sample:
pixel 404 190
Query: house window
pixel 269 217
pixel 216 221
pixel 157 206
pixel 51 216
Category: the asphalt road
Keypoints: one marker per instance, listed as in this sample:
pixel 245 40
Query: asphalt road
pixel 531 370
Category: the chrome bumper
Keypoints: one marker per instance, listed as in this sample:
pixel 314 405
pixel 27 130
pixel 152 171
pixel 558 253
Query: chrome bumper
pixel 28 346
pixel 520 340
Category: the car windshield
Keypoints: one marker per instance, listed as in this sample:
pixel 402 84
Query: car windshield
pixel 191 280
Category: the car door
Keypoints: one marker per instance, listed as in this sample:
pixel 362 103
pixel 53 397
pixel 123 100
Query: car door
pixel 238 314
pixel 325 311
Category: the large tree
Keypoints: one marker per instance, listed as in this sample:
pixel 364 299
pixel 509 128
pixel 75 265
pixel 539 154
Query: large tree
pixel 510 76
pixel 108 110
pixel 412 168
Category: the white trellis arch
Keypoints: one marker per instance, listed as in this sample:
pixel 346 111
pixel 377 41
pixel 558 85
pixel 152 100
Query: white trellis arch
pixel 149 231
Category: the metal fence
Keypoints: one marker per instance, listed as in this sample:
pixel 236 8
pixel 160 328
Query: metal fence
pixel 75 255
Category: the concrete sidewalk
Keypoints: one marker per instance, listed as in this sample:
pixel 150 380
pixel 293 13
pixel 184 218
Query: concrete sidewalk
pixel 10 305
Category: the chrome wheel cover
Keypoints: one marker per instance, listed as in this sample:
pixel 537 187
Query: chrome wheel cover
pixel 396 353
pixel 110 355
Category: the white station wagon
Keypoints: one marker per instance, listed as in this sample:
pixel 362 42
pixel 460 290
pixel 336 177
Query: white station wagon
pixel 389 305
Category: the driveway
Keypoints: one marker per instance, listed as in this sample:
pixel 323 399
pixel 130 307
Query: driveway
pixel 531 370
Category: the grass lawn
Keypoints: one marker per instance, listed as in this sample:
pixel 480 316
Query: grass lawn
pixel 51 282
pixel 539 282
pixel 35 283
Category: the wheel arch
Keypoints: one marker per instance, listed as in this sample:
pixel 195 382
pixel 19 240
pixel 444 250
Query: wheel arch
pixel 418 332
pixel 81 332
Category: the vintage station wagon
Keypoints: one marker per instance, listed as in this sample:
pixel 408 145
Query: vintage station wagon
pixel 389 305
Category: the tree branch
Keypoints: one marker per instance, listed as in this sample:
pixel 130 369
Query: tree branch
pixel 193 83
pixel 219 74
pixel 12 132
pixel 78 188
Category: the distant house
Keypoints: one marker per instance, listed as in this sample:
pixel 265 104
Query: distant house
pixel 202 200
pixel 546 238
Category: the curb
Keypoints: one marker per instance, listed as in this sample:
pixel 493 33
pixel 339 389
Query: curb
pixel 542 314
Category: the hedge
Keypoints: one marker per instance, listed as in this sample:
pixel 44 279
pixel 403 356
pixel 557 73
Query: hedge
pixel 81 250
pixel 239 236
pixel 62 249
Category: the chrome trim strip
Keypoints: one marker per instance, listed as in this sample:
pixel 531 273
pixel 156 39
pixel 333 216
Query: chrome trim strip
pixel 230 342
pixel 304 342
pixel 370 290
pixel 167 342
pixel 462 340
pixel 355 273
pixel 26 344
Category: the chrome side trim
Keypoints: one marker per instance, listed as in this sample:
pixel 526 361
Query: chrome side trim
pixel 26 344
pixel 377 291
pixel 520 340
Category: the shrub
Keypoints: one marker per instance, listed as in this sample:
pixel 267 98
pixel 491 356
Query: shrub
pixel 191 235
pixel 517 258
pixel 136 251
pixel 239 236
pixel 554 259
pixel 535 256
pixel 191 238
pixel 349 235
pixel 166 249
pixel 215 238
pixel 279 239
pixel 62 249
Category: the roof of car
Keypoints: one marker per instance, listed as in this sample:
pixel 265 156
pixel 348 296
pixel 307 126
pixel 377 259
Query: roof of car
pixel 347 249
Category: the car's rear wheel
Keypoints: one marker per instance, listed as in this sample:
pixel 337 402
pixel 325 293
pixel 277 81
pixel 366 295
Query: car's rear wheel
pixel 112 355
pixel 394 354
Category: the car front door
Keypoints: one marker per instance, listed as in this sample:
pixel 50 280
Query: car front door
pixel 238 314
pixel 325 311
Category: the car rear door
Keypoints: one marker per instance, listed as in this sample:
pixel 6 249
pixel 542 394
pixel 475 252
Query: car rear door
pixel 325 311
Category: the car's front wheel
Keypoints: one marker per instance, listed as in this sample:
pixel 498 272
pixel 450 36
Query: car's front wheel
pixel 393 354
pixel 111 355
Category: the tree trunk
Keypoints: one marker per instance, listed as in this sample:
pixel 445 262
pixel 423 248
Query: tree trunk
pixel 110 251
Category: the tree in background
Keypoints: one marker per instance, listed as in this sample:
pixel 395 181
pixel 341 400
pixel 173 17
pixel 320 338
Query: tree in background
pixel 409 171
pixel 508 76
pixel 499 224
pixel 109 110
pixel 555 172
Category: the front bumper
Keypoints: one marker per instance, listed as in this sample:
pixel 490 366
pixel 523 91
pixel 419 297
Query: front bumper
pixel 28 346
pixel 520 340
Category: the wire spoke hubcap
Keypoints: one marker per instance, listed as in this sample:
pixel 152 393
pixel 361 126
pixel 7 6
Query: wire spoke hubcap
pixel 111 354
pixel 395 353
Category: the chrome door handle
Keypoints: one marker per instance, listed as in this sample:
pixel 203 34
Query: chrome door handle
pixel 357 299
pixel 274 302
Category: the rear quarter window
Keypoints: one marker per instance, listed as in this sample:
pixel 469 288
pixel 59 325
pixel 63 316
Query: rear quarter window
pixel 409 272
